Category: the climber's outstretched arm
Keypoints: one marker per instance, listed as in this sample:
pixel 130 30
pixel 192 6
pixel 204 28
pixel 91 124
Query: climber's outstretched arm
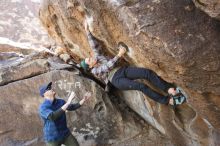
pixel 92 42
pixel 94 45
pixel 103 68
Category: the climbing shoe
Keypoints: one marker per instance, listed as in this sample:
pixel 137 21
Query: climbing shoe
pixel 179 98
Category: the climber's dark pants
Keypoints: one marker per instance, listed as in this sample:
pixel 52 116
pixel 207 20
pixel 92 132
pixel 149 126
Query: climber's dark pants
pixel 124 78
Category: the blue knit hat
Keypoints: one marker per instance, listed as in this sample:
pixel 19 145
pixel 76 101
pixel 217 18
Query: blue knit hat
pixel 44 88
pixel 84 65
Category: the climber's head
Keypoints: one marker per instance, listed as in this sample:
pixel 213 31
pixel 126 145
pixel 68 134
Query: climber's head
pixel 47 92
pixel 88 63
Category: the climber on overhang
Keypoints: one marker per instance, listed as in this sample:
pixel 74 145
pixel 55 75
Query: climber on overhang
pixel 123 78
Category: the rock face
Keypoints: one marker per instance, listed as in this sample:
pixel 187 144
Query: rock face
pixel 103 120
pixel 98 122
pixel 211 7
pixel 171 37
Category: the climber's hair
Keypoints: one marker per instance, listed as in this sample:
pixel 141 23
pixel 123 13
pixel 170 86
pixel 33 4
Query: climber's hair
pixel 84 65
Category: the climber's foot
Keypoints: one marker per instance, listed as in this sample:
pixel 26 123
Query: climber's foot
pixel 178 96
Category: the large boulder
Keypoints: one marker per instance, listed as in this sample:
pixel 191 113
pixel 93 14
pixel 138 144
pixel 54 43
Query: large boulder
pixel 171 37
pixel 97 122
pixel 164 35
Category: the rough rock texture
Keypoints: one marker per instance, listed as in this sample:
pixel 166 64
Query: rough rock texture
pixel 19 23
pixel 171 37
pixel 98 122
pixel 18 63
pixel 211 7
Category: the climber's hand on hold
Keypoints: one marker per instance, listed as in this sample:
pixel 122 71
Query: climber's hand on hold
pixel 122 51
pixel 123 48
